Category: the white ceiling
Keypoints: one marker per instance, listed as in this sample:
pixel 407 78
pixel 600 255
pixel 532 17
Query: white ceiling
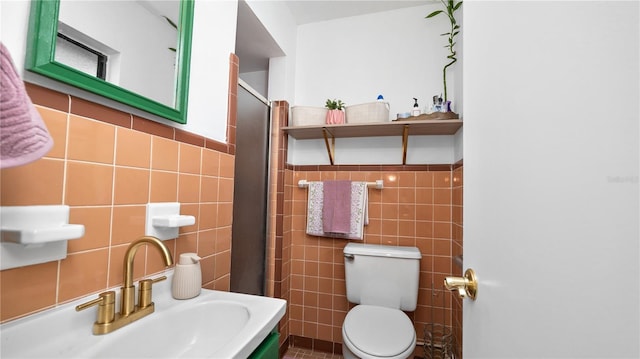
pixel 254 45
pixel 308 11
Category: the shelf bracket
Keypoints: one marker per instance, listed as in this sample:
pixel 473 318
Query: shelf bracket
pixel 330 147
pixel 405 142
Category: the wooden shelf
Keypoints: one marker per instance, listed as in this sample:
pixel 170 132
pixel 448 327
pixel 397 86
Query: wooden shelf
pixel 395 128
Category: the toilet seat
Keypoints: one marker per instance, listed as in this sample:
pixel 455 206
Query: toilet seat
pixel 378 332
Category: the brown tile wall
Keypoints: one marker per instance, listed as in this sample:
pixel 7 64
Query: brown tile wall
pixel 415 208
pixel 107 165
pixel 457 269
pixel 277 250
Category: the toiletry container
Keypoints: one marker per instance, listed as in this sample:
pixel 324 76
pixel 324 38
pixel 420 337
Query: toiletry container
pixel 187 277
pixel 416 108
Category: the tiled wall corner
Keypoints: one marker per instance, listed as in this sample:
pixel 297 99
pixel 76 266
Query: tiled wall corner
pixel 234 69
pixel 277 282
pixel 457 269
pixel 106 165
pixel 415 208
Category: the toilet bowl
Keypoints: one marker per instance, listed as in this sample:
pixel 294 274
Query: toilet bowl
pixel 371 332
pixel 383 282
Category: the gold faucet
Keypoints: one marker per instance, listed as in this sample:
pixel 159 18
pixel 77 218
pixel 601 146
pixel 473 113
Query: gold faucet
pixel 107 320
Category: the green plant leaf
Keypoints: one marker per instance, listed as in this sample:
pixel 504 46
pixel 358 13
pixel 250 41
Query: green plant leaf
pixel 450 7
pixel 173 24
pixel 433 14
pixel 334 104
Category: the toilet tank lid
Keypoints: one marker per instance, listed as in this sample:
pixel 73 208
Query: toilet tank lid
pixel 382 251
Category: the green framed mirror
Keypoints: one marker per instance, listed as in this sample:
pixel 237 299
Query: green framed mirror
pixel 152 86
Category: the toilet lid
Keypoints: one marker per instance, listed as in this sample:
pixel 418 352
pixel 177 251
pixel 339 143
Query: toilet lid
pixel 379 331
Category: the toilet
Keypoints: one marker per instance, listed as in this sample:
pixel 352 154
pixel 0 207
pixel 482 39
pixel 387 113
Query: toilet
pixel 383 282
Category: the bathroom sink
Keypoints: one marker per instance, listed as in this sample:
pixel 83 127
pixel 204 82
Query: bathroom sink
pixel 207 336
pixel 213 325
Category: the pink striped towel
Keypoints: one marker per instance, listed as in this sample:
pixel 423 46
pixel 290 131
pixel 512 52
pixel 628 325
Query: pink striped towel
pixel 23 135
pixel 359 213
pixel 336 209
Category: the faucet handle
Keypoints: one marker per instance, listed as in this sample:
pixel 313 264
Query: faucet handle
pixel 145 290
pixel 106 303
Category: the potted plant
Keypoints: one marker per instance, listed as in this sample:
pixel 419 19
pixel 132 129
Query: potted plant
pixel 451 6
pixel 335 115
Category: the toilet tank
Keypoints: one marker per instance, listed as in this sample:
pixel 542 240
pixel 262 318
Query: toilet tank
pixel 382 275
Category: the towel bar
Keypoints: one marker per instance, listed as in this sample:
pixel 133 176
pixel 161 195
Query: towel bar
pixel 378 184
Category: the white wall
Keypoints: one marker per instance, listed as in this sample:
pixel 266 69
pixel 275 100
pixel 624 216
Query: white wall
pixel 398 54
pixel 214 30
pixel 551 196
pixel 275 17
pixel 13 31
pixel 374 151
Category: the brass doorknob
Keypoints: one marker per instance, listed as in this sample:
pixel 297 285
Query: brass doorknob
pixel 466 286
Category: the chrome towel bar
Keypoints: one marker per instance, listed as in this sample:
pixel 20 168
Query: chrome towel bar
pixel 378 184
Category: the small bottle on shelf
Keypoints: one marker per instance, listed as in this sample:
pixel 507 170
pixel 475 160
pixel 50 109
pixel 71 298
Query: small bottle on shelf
pixel 416 108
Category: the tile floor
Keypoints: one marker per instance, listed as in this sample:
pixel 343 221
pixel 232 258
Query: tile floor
pixel 295 353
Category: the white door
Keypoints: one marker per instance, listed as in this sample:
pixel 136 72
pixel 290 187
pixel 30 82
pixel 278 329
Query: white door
pixel 551 113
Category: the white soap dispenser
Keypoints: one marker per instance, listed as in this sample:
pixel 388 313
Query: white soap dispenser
pixel 187 277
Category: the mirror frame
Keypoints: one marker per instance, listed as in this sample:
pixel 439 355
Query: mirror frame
pixel 41 43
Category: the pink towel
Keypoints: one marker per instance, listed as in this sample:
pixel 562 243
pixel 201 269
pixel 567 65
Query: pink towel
pixel 359 212
pixel 23 135
pixel 336 208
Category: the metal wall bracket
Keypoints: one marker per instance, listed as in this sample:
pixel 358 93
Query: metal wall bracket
pixel 331 148
pixel 405 143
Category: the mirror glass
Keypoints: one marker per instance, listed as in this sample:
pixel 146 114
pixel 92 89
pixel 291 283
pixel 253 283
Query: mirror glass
pixel 134 51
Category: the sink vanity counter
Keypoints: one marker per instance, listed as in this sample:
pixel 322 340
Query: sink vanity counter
pixel 213 325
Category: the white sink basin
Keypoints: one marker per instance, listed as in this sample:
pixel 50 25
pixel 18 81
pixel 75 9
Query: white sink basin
pixel 206 337
pixel 213 325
